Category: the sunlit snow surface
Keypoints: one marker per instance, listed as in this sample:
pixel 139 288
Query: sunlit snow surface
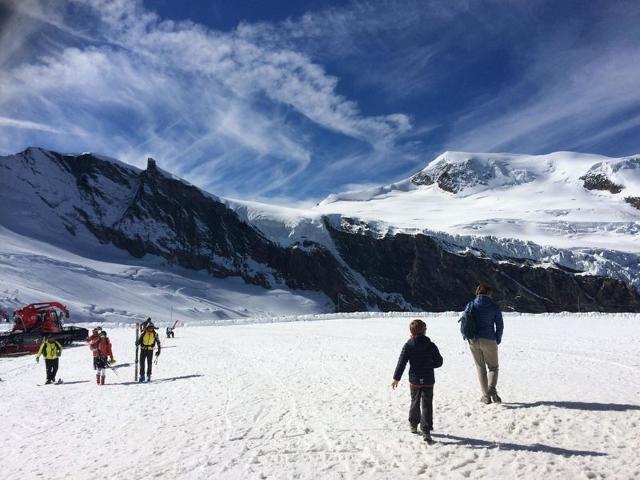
pixel 311 400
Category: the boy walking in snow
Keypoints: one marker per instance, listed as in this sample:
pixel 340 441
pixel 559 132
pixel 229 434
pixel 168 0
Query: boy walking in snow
pixel 102 357
pixel 423 356
pixel 147 341
pixel 51 350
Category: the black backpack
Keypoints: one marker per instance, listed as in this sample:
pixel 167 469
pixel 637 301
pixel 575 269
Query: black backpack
pixel 468 323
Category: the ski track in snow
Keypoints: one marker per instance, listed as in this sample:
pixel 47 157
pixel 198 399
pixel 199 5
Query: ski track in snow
pixel 312 400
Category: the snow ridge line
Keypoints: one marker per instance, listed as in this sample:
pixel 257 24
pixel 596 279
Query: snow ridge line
pixel 366 316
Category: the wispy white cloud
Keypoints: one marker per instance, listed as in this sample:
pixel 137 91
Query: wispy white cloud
pixel 198 99
pixel 260 110
pixel 565 99
pixel 14 123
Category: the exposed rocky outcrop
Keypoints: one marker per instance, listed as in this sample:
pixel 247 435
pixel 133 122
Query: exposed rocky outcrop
pixel 432 279
pixel 633 201
pixel 457 176
pixel 599 181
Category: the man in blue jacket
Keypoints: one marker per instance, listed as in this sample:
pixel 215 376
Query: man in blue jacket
pixel 484 347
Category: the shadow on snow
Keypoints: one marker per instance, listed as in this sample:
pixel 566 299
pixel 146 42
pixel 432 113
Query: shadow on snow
pixel 161 380
pixel 589 406
pixel 536 447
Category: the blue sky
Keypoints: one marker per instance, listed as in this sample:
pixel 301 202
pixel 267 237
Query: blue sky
pixel 288 101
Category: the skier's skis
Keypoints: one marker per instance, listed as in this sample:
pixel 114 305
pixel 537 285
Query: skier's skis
pixel 135 378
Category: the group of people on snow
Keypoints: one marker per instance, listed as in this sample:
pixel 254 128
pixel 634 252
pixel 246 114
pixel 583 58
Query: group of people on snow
pixel 482 327
pixel 100 346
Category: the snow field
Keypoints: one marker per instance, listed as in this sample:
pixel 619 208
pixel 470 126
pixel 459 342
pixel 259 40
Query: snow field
pixel 311 399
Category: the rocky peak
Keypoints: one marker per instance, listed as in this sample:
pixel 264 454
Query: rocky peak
pixel 456 172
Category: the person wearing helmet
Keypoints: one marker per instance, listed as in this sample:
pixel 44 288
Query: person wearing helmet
pixel 103 357
pixel 147 340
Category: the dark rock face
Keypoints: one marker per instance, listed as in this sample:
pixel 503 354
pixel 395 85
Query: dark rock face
pixel 422 178
pixel 432 279
pixel 150 212
pixel 599 181
pixel 633 201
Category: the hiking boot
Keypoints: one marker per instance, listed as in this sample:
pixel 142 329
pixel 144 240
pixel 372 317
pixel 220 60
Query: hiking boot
pixel 427 438
pixel 148 378
pixel 495 398
pixel 141 379
pixel 414 428
pixel 48 382
pixel 486 399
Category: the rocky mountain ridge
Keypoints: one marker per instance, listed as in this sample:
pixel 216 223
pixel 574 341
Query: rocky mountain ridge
pixel 87 199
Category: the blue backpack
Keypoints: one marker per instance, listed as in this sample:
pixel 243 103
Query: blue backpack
pixel 469 323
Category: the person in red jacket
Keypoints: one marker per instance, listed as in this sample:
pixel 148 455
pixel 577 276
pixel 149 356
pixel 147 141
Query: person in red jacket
pixel 93 339
pixel 102 357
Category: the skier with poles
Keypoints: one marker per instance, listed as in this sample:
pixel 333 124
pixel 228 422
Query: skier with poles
pixel 51 349
pixel 100 353
pixel 147 341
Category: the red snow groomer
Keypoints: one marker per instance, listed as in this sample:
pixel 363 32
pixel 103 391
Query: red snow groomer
pixel 35 321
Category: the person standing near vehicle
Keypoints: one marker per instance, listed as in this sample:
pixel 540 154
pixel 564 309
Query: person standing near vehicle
pixel 147 341
pixel 484 346
pixel 103 357
pixel 51 350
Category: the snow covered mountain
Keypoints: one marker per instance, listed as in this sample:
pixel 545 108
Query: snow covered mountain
pixel 563 199
pixel 373 250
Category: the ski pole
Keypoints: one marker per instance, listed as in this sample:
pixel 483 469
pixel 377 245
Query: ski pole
pixel 114 370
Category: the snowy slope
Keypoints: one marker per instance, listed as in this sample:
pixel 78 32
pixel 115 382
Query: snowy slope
pixel 311 400
pixel 540 198
pixel 110 291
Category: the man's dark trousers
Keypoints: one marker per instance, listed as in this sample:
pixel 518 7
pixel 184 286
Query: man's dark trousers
pixel 52 369
pixel 422 397
pixel 148 356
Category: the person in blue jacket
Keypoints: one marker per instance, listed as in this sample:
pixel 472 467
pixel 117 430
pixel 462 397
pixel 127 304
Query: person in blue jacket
pixel 423 356
pixel 484 348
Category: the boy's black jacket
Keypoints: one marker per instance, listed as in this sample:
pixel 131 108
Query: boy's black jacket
pixel 423 356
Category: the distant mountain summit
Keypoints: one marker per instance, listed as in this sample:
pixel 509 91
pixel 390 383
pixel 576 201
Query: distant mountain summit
pixel 457 172
pixel 563 199
pixel 373 250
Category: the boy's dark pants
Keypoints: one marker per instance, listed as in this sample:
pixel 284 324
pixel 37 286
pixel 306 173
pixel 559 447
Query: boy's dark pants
pixel 146 355
pixel 52 368
pixel 422 397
